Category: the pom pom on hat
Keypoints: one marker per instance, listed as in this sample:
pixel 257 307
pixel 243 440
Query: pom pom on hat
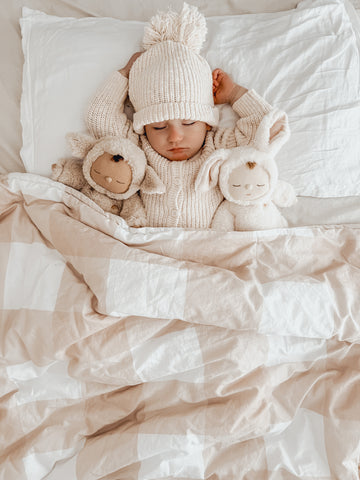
pixel 187 27
pixel 170 80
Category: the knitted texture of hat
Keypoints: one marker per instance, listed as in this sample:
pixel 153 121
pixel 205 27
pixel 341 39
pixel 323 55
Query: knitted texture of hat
pixel 170 80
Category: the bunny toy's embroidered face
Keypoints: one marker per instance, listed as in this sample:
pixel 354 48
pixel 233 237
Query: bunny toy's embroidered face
pixel 248 182
pixel 111 172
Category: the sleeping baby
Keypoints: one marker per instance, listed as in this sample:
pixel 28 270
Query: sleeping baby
pixel 173 92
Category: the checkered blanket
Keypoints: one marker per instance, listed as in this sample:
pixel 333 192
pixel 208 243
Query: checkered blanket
pixel 170 353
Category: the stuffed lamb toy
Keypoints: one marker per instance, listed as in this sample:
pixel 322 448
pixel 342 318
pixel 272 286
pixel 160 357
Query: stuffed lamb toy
pixel 110 171
pixel 248 179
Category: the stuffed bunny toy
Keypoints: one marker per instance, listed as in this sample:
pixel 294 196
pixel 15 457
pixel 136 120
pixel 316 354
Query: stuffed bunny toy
pixel 110 171
pixel 248 179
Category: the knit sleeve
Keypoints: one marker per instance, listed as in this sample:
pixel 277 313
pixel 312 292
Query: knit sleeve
pixel 105 115
pixel 252 110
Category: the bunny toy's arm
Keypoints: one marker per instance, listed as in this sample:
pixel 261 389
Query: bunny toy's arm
pixel 223 219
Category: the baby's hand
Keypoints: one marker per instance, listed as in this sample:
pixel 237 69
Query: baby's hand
pixel 222 86
pixel 126 70
pixel 225 90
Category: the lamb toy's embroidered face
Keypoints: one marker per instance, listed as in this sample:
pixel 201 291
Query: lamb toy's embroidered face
pixel 248 182
pixel 111 172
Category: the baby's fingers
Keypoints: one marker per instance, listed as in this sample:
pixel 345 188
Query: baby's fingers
pixel 216 76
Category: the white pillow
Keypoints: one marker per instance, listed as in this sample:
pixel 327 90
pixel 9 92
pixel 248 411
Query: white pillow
pixel 305 61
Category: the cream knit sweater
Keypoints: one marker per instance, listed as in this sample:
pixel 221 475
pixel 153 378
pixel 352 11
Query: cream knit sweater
pixel 181 205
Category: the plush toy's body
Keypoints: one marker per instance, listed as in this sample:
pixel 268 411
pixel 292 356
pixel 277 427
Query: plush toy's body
pixel 248 179
pixel 111 173
pixel 261 216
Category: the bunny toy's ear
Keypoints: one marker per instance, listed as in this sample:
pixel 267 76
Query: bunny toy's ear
pixel 272 133
pixel 208 175
pixel 80 144
pixel 284 194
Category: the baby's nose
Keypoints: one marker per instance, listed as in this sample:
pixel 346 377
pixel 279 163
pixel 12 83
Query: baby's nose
pixel 249 186
pixel 175 134
pixel 108 179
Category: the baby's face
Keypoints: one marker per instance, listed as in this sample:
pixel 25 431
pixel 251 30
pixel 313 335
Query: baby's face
pixel 176 139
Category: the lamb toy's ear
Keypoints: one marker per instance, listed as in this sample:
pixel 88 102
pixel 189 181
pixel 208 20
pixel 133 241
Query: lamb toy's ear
pixel 272 133
pixel 80 144
pixel 152 183
pixel 208 176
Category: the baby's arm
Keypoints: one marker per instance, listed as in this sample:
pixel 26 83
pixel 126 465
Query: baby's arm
pixel 126 70
pixel 251 108
pixel 106 114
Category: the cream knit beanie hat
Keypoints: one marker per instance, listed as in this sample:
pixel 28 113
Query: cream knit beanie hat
pixel 170 80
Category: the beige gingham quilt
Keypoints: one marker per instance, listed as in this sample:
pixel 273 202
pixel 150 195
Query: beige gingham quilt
pixel 173 354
